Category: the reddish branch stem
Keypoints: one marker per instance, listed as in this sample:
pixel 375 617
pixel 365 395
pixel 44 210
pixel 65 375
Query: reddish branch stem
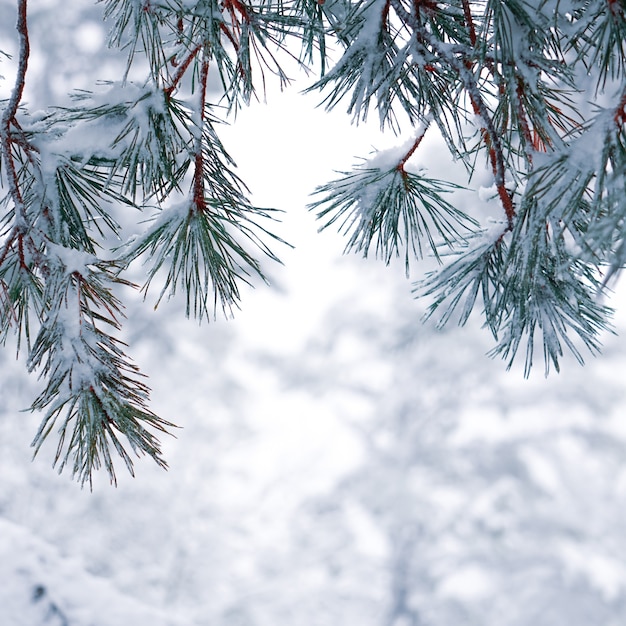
pixel 521 113
pixel 238 13
pixel 385 15
pixel 20 81
pixel 180 72
pixel 230 36
pixel 7 140
pixel 199 200
pixel 467 11
pixel 429 6
pixel 234 7
pixel 416 143
pixel 496 158
pixel 620 113
pixel 492 142
pixel 463 67
pixel 240 7
pixel 8 116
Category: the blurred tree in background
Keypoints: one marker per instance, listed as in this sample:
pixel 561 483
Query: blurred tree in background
pixel 533 91
pixel 376 474
pixel 478 501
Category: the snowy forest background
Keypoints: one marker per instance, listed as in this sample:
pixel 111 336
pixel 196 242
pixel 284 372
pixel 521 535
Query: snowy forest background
pixel 338 462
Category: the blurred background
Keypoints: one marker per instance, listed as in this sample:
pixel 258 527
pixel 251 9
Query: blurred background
pixel 338 462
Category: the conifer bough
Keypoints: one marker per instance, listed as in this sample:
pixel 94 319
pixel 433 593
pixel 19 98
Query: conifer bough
pixel 532 90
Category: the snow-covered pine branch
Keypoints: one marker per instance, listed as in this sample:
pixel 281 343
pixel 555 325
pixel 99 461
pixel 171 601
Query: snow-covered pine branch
pixel 512 81
pixel 531 91
pixel 152 147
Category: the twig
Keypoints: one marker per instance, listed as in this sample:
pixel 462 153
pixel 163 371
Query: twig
pixel 8 115
pixel 418 140
pixel 180 72
pixel 467 11
pixel 460 65
pixel 199 200
pixel 620 112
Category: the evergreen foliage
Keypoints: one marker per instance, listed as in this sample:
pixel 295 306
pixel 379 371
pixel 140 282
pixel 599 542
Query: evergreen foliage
pixel 533 89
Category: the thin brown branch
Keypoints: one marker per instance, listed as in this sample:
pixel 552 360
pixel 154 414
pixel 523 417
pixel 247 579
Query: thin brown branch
pixel 529 140
pixel 469 21
pixel 416 143
pixel 20 81
pixel 620 112
pixel 230 36
pixel 8 115
pixel 199 201
pixel 242 9
pixel 180 72
pixel 463 68
pixel 428 6
pixel 496 155
pixel 385 16
pixel 490 137
pixel 616 7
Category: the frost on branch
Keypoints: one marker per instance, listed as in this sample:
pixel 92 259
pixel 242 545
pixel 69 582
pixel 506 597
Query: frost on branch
pixel 532 91
pixel 403 212
pixel 74 177
pixel 509 86
pixel 92 389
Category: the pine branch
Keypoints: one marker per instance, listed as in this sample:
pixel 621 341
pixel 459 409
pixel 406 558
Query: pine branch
pixel 91 388
pixel 402 210
pixel 8 115
pixel 507 69
pixel 503 81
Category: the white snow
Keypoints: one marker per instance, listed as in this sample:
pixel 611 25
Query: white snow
pixel 41 586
